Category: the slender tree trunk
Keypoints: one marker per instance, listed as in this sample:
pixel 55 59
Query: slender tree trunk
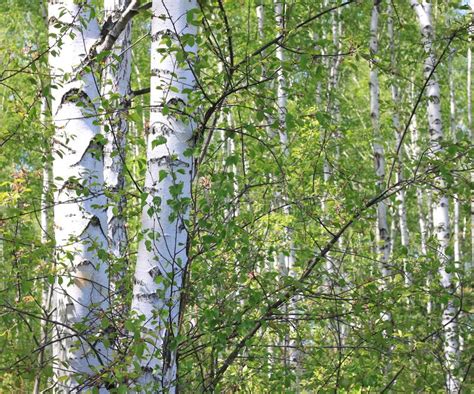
pixel 46 227
pixel 115 90
pixel 440 200
pixel 422 223
pixel 333 263
pixel 162 254
pixel 260 20
pixel 81 289
pixel 382 231
pixel 229 151
pixel 260 11
pixel 452 123
pixel 286 261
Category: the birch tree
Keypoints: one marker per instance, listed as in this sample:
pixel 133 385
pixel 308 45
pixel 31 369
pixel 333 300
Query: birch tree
pixel 116 92
pixel 286 261
pixel 81 288
pixel 162 254
pixel 46 227
pixel 440 200
pixel 382 230
pixel 239 194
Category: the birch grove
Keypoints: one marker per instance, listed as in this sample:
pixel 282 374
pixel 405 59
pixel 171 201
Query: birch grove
pixel 236 196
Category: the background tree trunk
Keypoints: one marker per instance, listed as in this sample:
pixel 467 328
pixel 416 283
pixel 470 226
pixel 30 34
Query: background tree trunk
pixel 440 200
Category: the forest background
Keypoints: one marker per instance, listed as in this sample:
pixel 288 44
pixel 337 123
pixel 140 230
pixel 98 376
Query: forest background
pixel 236 196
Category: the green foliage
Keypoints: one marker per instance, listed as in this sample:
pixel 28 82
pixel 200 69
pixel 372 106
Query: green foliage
pixel 239 221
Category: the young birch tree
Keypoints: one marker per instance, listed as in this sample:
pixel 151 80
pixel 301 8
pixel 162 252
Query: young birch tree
pixel 162 254
pixel 81 288
pixel 382 230
pixel 452 124
pixel 440 200
pixel 286 261
pixel 422 222
pixel 47 291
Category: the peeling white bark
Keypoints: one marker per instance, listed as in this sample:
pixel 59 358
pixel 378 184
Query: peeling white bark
pixel 440 201
pixel 81 289
pixel 162 254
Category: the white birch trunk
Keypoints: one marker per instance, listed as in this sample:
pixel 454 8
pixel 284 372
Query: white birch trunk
pixel 260 11
pixel 286 262
pixel 116 88
pixel 46 189
pixel 81 289
pixel 333 265
pixel 382 231
pixel 229 151
pixel 415 152
pixel 162 254
pixel 452 123
pixel 260 20
pixel 440 200
pixel 282 97
pixel 46 227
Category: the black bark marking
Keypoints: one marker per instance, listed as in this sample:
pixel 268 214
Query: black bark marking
pixel 164 33
pixel 76 95
pixel 154 272
pixel 168 161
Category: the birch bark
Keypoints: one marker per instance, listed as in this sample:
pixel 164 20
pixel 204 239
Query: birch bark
pixel 162 254
pixel 286 261
pixel 452 123
pixel 415 153
pixel 81 288
pixel 382 231
pixel 333 264
pixel 46 227
pixel 440 200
